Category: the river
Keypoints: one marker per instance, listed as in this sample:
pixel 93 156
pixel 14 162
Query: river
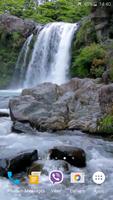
pixel 99 153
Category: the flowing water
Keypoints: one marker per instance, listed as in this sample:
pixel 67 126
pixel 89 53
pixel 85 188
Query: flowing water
pixel 51 55
pixel 21 65
pixel 99 157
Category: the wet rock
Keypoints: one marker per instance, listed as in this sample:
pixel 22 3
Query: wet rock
pixel 74 156
pixel 17 163
pixel 49 107
pixel 19 127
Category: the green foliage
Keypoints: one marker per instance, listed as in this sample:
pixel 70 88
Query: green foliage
pixel 61 10
pixel 86 34
pixel 105 125
pixel 84 62
pixel 10 44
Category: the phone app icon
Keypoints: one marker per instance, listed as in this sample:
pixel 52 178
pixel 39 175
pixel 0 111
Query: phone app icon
pixel 78 177
pixel 56 177
pixel 34 178
pixel 10 176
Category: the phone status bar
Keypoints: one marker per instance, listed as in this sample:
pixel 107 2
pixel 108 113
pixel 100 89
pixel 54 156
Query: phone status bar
pixel 95 4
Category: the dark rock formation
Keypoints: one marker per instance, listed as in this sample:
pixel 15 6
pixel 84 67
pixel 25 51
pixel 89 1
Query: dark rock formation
pixel 17 163
pixel 4 114
pixel 74 156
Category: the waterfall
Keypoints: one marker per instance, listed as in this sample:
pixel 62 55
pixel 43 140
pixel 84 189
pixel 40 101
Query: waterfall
pixel 51 55
pixel 20 69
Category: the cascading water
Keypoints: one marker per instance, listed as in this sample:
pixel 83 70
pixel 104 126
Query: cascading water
pixel 51 55
pixel 21 64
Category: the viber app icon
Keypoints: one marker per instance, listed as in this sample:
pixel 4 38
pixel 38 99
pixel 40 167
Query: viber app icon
pixel 14 181
pixel 56 177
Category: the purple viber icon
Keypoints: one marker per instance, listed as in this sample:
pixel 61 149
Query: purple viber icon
pixel 56 177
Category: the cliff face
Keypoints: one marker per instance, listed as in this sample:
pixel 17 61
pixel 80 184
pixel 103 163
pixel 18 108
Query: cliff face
pixel 102 16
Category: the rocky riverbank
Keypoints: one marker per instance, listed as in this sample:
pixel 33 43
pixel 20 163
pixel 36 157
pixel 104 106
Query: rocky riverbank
pixel 79 104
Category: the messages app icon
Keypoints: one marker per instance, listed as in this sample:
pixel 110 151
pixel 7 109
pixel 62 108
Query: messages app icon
pixel 34 178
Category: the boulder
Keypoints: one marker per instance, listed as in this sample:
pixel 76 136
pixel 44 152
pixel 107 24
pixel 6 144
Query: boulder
pixel 17 163
pixel 73 155
pixel 11 23
pixel 49 107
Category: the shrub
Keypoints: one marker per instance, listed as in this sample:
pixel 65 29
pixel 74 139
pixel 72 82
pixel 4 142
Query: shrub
pixel 105 125
pixel 84 62
pixel 98 67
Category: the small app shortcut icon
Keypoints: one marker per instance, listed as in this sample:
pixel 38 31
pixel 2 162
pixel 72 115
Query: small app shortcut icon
pixel 56 177
pixel 34 178
pixel 98 177
pixel 14 181
pixel 78 177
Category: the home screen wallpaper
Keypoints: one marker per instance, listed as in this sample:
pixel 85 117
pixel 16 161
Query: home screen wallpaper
pixel 56 100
